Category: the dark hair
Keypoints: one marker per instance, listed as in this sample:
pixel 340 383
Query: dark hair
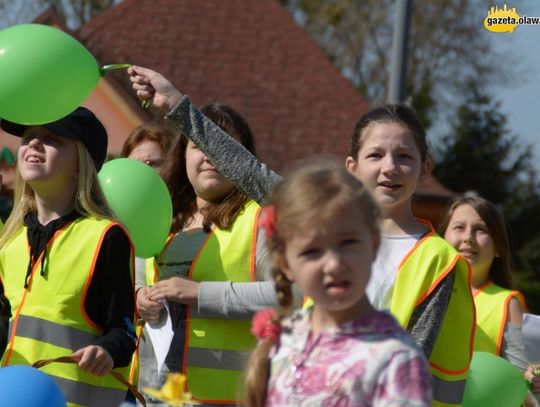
pixel 183 195
pixel 316 189
pixel 160 133
pixel 391 113
pixel 500 270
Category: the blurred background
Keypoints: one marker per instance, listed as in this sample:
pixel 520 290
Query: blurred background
pixel 303 71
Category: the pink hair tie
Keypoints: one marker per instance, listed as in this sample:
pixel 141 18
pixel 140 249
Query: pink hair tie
pixel 267 220
pixel 264 325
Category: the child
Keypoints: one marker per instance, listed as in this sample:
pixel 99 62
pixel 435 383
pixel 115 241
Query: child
pixel 65 264
pixel 150 143
pixel 476 228
pixel 417 276
pixel 212 273
pixel 323 234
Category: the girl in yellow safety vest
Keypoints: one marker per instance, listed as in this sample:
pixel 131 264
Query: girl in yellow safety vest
pixel 476 228
pixel 211 274
pixel 65 263
pixel 417 275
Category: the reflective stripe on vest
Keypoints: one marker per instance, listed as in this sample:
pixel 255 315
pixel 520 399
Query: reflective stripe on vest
pixel 216 349
pixel 48 318
pixel 419 274
pixel 53 333
pixel 89 395
pixel 492 303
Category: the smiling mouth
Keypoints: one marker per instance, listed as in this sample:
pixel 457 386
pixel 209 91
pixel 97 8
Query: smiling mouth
pixel 34 160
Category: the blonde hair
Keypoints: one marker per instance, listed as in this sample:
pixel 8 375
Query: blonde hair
pixel 316 189
pixel 89 198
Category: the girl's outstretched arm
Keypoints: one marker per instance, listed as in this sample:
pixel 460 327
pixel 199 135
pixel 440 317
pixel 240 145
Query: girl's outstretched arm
pixel 226 154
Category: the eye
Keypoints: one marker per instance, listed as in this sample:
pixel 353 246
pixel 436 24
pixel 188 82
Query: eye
pixel 457 227
pixel 154 163
pixel 406 156
pixel 310 252
pixel 351 241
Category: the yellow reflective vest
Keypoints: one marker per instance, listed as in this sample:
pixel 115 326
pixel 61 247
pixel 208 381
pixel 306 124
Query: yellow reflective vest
pixel 419 274
pixel 492 303
pixel 48 317
pixel 216 349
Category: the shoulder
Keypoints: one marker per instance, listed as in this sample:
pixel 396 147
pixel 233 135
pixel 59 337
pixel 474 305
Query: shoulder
pixel 515 311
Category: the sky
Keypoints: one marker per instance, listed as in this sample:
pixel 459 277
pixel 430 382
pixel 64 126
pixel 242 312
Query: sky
pixel 521 102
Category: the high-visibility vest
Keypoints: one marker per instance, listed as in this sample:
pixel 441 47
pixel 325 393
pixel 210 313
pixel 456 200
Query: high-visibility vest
pixel 48 317
pixel 492 303
pixel 419 274
pixel 216 350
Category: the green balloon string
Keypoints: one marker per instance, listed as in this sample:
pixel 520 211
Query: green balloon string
pixel 103 70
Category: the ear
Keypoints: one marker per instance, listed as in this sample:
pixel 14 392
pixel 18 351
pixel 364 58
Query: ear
pixel 351 164
pixel 425 170
pixel 284 267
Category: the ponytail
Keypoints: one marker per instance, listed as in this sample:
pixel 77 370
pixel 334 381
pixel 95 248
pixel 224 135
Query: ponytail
pixel 258 368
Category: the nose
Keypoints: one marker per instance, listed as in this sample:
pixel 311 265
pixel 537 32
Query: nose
pixel 333 262
pixel 389 165
pixel 35 143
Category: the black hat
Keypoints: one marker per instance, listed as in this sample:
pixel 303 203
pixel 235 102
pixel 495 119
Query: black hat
pixel 80 125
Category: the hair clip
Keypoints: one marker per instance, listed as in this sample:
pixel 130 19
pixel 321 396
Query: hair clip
pixel 264 325
pixel 267 220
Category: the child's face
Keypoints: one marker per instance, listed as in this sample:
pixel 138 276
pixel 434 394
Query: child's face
pixel 47 159
pixel 207 182
pixel 331 262
pixel 148 152
pixel 388 163
pixel 468 233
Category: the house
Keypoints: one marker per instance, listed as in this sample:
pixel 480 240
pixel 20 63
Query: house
pixel 246 53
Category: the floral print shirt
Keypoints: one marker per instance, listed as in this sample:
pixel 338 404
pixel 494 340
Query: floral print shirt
pixel 371 361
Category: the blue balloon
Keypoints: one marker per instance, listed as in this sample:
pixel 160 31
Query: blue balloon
pixel 25 386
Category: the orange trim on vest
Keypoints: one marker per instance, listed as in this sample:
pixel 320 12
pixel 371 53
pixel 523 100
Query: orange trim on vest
pixel 156 259
pixel 512 294
pixel 254 246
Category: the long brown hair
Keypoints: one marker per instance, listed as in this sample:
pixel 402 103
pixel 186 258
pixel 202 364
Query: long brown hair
pixel 316 189
pixel 500 270
pixel 183 195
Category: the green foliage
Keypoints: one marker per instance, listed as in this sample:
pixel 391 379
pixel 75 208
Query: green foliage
pixel 357 36
pixel 480 154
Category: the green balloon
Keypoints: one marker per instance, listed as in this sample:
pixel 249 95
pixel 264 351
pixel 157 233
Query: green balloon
pixel 494 382
pixel 45 74
pixel 141 201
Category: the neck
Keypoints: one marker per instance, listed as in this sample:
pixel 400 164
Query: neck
pixel 323 319
pixel 399 221
pixel 51 206
pixel 479 278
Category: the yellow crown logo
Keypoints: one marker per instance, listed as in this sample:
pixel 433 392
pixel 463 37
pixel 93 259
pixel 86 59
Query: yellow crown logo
pixel 501 20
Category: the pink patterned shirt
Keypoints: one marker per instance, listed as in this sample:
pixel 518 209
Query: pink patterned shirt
pixel 368 362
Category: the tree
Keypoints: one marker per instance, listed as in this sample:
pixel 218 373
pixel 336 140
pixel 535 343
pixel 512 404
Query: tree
pixel 448 45
pixel 75 12
pixel 480 154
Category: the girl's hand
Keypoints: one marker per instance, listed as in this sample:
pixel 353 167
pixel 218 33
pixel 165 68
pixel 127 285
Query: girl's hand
pixel 94 359
pixel 178 289
pixel 533 378
pixel 154 87
pixel 148 310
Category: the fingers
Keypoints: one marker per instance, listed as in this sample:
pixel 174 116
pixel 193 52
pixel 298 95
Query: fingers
pixel 94 359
